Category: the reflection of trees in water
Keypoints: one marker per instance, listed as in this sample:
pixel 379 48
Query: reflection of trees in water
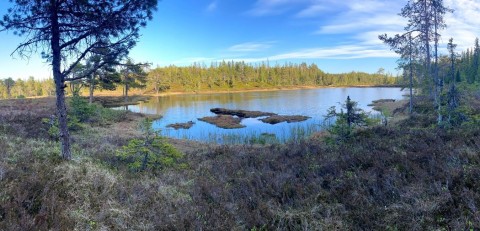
pixel 306 102
pixel 163 103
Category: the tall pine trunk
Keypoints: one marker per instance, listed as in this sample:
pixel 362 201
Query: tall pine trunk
pixel 126 92
pixel 411 72
pixel 437 83
pixel 92 87
pixel 428 59
pixel 59 83
pixel 9 91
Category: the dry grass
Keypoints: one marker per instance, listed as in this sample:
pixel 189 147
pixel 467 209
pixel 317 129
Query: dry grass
pixel 240 113
pixel 186 125
pixel 395 110
pixel 23 117
pixel 413 176
pixel 275 119
pixel 223 121
pixel 117 101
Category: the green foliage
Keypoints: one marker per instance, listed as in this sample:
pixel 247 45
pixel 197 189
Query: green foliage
pixel 8 83
pixel 458 79
pixel 82 111
pixel 240 75
pixel 346 121
pixel 52 129
pixel 455 117
pixel 340 131
pixel 80 108
pixel 152 152
pixel 20 89
pixel 133 76
pixel 264 138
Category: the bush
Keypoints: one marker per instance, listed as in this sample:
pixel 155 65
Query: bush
pixel 93 113
pixel 346 121
pixel 152 152
pixel 80 108
pixel 52 125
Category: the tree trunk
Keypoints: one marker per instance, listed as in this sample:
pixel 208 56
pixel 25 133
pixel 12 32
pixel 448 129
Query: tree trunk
pixel 426 38
pixel 126 92
pixel 9 91
pixel 62 119
pixel 437 82
pixel 411 74
pixel 59 83
pixel 92 87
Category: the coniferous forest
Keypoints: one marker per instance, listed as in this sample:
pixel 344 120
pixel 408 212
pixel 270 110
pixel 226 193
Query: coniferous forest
pixel 71 162
pixel 219 76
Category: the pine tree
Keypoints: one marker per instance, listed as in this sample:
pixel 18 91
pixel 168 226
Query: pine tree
pixel 73 30
pixel 425 19
pixel 132 76
pixel 9 83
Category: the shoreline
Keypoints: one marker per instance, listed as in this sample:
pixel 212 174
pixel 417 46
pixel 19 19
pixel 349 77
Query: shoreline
pixel 264 90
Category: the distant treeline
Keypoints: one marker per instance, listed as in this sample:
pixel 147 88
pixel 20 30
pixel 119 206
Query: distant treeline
pixel 217 77
pixel 11 88
pixel 240 75
pixel 232 75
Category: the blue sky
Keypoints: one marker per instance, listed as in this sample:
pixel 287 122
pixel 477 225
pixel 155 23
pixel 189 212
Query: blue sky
pixel 337 35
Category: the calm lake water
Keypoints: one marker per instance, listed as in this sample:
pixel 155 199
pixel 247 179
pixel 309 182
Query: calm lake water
pixel 307 102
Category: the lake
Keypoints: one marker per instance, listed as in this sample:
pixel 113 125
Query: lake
pixel 308 102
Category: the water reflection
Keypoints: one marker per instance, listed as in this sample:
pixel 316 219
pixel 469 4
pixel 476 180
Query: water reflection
pixel 307 102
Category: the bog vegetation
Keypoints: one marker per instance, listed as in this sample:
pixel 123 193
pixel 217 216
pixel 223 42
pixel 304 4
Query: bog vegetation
pixel 418 173
pixel 408 175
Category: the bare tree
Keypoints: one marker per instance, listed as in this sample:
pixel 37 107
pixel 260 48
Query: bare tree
pixel 68 31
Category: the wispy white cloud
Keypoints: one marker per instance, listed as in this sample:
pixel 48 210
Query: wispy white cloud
pixel 273 7
pixel 358 23
pixel 313 11
pixel 212 6
pixel 251 46
pixel 337 52
pixel 462 24
pixel 364 24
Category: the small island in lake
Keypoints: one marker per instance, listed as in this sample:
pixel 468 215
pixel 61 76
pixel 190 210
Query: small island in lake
pixel 229 119
pixel 223 121
pixel 177 126
pixel 275 119
pixel 241 113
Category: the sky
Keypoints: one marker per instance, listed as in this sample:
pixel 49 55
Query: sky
pixel 337 35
